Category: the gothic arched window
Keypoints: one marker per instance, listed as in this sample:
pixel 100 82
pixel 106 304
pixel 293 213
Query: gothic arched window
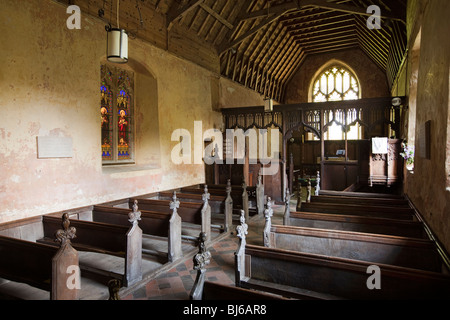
pixel 116 109
pixel 337 83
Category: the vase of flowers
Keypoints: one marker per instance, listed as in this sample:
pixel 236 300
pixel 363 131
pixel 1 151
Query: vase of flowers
pixel 408 155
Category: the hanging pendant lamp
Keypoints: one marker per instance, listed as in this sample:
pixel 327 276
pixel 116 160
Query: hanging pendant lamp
pixel 116 42
pixel 117 45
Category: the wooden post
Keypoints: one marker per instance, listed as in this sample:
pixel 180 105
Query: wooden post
pixel 239 256
pixel 66 259
pixel 245 200
pixel 317 191
pixel 174 251
pixel 260 194
pixel 287 208
pixel 299 196
pixel 268 213
pixel 308 191
pixel 133 260
pixel 228 208
pixel 291 170
pixel 206 215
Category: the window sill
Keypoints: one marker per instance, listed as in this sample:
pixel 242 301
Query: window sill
pixel 130 171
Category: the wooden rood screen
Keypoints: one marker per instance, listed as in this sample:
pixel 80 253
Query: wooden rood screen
pixel 376 117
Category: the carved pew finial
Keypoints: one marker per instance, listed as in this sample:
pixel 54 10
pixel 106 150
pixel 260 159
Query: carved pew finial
pixel 268 213
pixel 113 288
pixel 287 208
pixel 174 204
pixel 65 235
pixel 308 191
pixel 206 214
pixel 260 193
pixel 206 196
pixel 135 215
pixel 228 189
pixel 242 229
pixel 66 257
pixel 239 256
pixel 201 260
pixel 228 208
pixel 317 191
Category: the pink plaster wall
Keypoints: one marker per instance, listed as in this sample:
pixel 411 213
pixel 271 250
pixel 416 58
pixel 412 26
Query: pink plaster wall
pixel 49 81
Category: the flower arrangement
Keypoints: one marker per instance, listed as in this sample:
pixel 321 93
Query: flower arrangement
pixel 408 153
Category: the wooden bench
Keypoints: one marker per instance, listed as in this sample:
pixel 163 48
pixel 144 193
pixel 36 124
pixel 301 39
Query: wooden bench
pixel 221 205
pixel 114 240
pixel 244 197
pixel 374 248
pixel 360 210
pixel 359 194
pixel 190 212
pixel 309 276
pixel 384 202
pixel 154 225
pixel 217 291
pixel 49 268
pixel 402 228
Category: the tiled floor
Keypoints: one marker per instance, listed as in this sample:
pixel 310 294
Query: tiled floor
pixel 176 284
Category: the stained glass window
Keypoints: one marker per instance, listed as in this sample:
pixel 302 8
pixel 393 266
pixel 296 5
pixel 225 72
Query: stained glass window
pixel 116 109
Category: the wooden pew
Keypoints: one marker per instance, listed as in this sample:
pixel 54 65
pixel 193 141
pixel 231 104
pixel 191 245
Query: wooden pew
pixel 115 240
pixel 360 210
pixel 302 275
pixel 309 276
pixel 359 194
pixel 217 291
pixel 384 202
pixel 154 224
pixel 221 205
pixel 190 212
pixel 402 228
pixel 374 248
pixel 244 197
pixel 50 268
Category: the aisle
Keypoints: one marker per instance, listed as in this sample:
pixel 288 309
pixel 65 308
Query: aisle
pixel 177 283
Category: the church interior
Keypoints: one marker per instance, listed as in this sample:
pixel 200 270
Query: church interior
pixel 299 149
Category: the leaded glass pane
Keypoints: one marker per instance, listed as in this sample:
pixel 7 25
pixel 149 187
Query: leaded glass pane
pixel 117 87
pixel 337 84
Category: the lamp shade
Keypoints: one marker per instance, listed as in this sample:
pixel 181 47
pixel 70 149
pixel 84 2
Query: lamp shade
pixel 268 105
pixel 117 45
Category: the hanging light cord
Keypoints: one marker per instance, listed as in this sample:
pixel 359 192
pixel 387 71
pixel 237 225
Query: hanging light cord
pixel 118 4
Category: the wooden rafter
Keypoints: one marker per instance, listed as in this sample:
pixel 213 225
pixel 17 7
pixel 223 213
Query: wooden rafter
pixel 176 13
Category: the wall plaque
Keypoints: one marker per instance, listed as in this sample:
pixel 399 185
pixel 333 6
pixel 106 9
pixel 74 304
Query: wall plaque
pixel 54 147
